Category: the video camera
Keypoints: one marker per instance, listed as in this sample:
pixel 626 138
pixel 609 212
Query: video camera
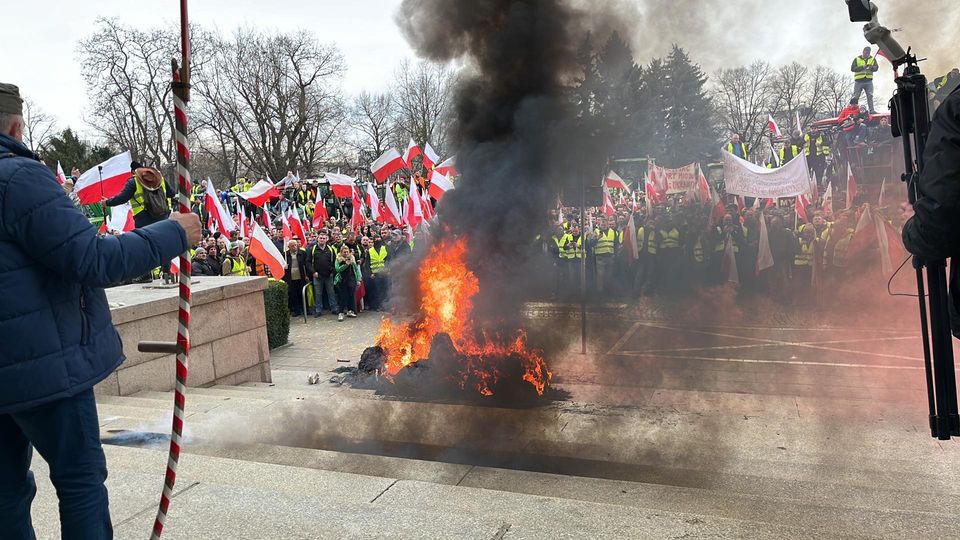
pixel 910 121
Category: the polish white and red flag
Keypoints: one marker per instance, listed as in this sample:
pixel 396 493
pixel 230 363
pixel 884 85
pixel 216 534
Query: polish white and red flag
pixel 448 168
pixel 828 199
pixel 440 184
pixel 412 151
pixel 764 254
pixel 267 220
pixel 373 202
pixel 390 162
pixel 427 206
pixel 414 212
pixel 653 195
pixel 774 128
pixel 223 218
pixel 799 125
pixel 121 219
pixel 320 215
pixel 61 177
pixel 430 157
pixel 613 181
pixel 285 230
pixel 296 225
pixel 608 208
pixel 802 204
pixel 263 250
pixel 261 193
pixel 704 193
pixel 104 180
pixel 243 224
pixel 341 185
pixel 393 215
pixel 356 218
pixel 851 187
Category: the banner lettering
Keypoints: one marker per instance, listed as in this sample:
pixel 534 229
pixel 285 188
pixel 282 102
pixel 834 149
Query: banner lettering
pixel 744 178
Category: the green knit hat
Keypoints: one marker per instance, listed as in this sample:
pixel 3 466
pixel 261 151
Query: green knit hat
pixel 10 101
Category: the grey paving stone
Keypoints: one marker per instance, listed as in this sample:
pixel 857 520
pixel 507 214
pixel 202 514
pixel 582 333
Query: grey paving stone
pixel 212 512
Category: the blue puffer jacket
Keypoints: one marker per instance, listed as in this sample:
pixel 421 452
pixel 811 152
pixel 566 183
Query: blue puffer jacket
pixel 56 336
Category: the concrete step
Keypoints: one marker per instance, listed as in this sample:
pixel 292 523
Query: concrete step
pixel 224 498
pixel 655 451
pixel 810 505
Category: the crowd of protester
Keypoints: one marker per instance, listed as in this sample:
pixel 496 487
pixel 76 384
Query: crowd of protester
pixel 684 248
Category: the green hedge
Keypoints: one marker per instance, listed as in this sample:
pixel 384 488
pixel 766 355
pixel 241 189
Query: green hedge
pixel 278 313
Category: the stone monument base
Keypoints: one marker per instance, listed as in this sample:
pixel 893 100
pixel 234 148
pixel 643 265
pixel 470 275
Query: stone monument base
pixel 228 334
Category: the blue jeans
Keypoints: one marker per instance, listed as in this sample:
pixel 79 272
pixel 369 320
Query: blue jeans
pixel 320 285
pixel 67 434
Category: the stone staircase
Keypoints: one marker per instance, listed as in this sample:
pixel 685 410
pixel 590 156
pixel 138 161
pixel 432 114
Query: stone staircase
pixel 678 467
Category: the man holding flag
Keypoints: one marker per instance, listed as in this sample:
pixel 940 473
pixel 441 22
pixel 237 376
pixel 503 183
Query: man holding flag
pixel 56 334
pixel 148 194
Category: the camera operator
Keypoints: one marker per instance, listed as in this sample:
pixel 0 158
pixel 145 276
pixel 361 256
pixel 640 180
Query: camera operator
pixel 933 232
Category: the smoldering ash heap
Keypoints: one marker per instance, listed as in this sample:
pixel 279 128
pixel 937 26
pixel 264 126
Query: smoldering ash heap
pixel 516 138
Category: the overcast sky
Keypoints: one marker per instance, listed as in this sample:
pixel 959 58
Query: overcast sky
pixel 40 48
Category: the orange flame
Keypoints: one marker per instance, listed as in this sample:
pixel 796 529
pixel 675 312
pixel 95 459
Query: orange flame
pixel 446 288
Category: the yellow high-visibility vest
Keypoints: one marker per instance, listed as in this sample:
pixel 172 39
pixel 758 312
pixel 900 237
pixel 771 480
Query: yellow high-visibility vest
pixel 238 267
pixel 570 249
pixel 378 259
pixel 742 147
pixel 136 202
pixel 670 239
pixel 865 75
pixel 805 255
pixel 605 242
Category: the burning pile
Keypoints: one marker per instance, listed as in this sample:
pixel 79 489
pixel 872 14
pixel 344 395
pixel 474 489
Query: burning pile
pixel 445 332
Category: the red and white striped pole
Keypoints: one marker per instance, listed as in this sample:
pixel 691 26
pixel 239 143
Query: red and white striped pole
pixel 181 96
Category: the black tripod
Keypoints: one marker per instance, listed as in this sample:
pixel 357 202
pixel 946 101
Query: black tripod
pixel 910 119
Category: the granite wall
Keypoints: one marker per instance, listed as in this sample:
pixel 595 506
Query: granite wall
pixel 228 334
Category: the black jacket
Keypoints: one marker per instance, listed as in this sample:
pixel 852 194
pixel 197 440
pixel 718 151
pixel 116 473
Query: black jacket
pixel 206 268
pixel 300 259
pixel 933 232
pixel 320 261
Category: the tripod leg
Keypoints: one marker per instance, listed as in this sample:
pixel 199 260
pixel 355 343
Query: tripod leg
pixel 925 334
pixel 943 365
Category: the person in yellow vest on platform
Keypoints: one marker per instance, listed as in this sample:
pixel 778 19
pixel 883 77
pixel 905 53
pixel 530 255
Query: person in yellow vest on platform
pixel 863 68
pixel 737 148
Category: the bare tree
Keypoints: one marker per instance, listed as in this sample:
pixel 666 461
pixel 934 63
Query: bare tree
pixel 373 119
pixel 424 94
pixel 743 99
pixel 271 102
pixel 789 89
pixel 127 72
pixel 38 125
pixel 838 87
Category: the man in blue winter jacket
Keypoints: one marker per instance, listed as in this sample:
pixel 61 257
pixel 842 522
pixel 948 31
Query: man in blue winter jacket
pixel 56 337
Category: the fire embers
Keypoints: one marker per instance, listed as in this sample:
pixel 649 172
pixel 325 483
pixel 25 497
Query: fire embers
pixel 444 334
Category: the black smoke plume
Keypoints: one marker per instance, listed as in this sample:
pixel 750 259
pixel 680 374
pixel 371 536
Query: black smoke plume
pixel 516 135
